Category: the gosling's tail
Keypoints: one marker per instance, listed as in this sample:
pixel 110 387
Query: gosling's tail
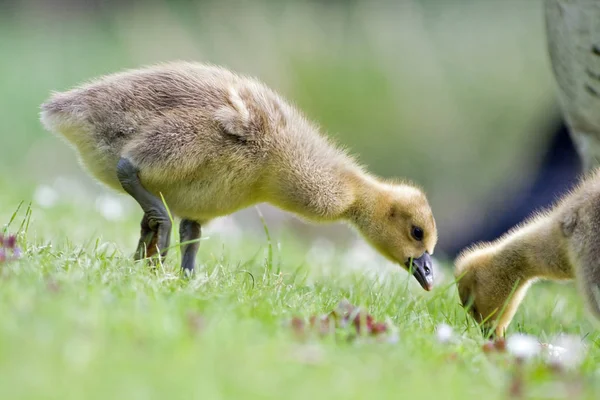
pixel 63 113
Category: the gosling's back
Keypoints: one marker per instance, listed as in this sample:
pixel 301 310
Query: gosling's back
pixel 199 135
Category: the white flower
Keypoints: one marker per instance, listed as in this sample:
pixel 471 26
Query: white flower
pixel 553 353
pixel 45 196
pixel 567 351
pixel 523 346
pixel 444 333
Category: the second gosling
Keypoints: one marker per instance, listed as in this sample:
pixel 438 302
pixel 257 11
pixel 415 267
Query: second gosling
pixel 561 243
pixel 212 142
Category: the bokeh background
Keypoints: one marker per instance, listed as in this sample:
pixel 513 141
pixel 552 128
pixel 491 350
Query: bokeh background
pixel 456 95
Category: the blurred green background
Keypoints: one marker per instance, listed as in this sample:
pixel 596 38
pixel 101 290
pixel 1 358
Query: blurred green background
pixel 455 95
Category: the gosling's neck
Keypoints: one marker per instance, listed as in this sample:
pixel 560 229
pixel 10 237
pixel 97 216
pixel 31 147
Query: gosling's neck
pixel 535 250
pixel 342 192
pixel 354 199
pixel 369 198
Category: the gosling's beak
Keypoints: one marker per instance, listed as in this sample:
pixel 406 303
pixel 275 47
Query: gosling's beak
pixel 422 269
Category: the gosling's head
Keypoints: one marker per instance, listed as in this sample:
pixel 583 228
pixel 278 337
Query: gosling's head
pixel 490 286
pixel 398 222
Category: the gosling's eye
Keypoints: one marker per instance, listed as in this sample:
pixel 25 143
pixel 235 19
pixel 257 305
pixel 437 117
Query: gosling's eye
pixel 417 233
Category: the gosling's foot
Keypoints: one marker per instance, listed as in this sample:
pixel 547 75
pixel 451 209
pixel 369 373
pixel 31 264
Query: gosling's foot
pixel 146 247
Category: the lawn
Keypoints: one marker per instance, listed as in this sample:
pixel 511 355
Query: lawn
pixel 80 319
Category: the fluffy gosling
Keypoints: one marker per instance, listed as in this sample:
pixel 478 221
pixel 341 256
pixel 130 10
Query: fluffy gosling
pixel 212 142
pixel 561 243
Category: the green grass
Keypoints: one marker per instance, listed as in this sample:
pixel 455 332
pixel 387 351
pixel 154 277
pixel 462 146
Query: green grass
pixel 80 319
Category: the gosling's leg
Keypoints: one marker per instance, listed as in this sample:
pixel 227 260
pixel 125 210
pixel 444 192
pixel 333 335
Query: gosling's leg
pixel 189 231
pixel 156 219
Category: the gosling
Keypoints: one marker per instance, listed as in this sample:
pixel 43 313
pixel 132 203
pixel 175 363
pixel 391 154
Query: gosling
pixel 561 243
pixel 211 142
